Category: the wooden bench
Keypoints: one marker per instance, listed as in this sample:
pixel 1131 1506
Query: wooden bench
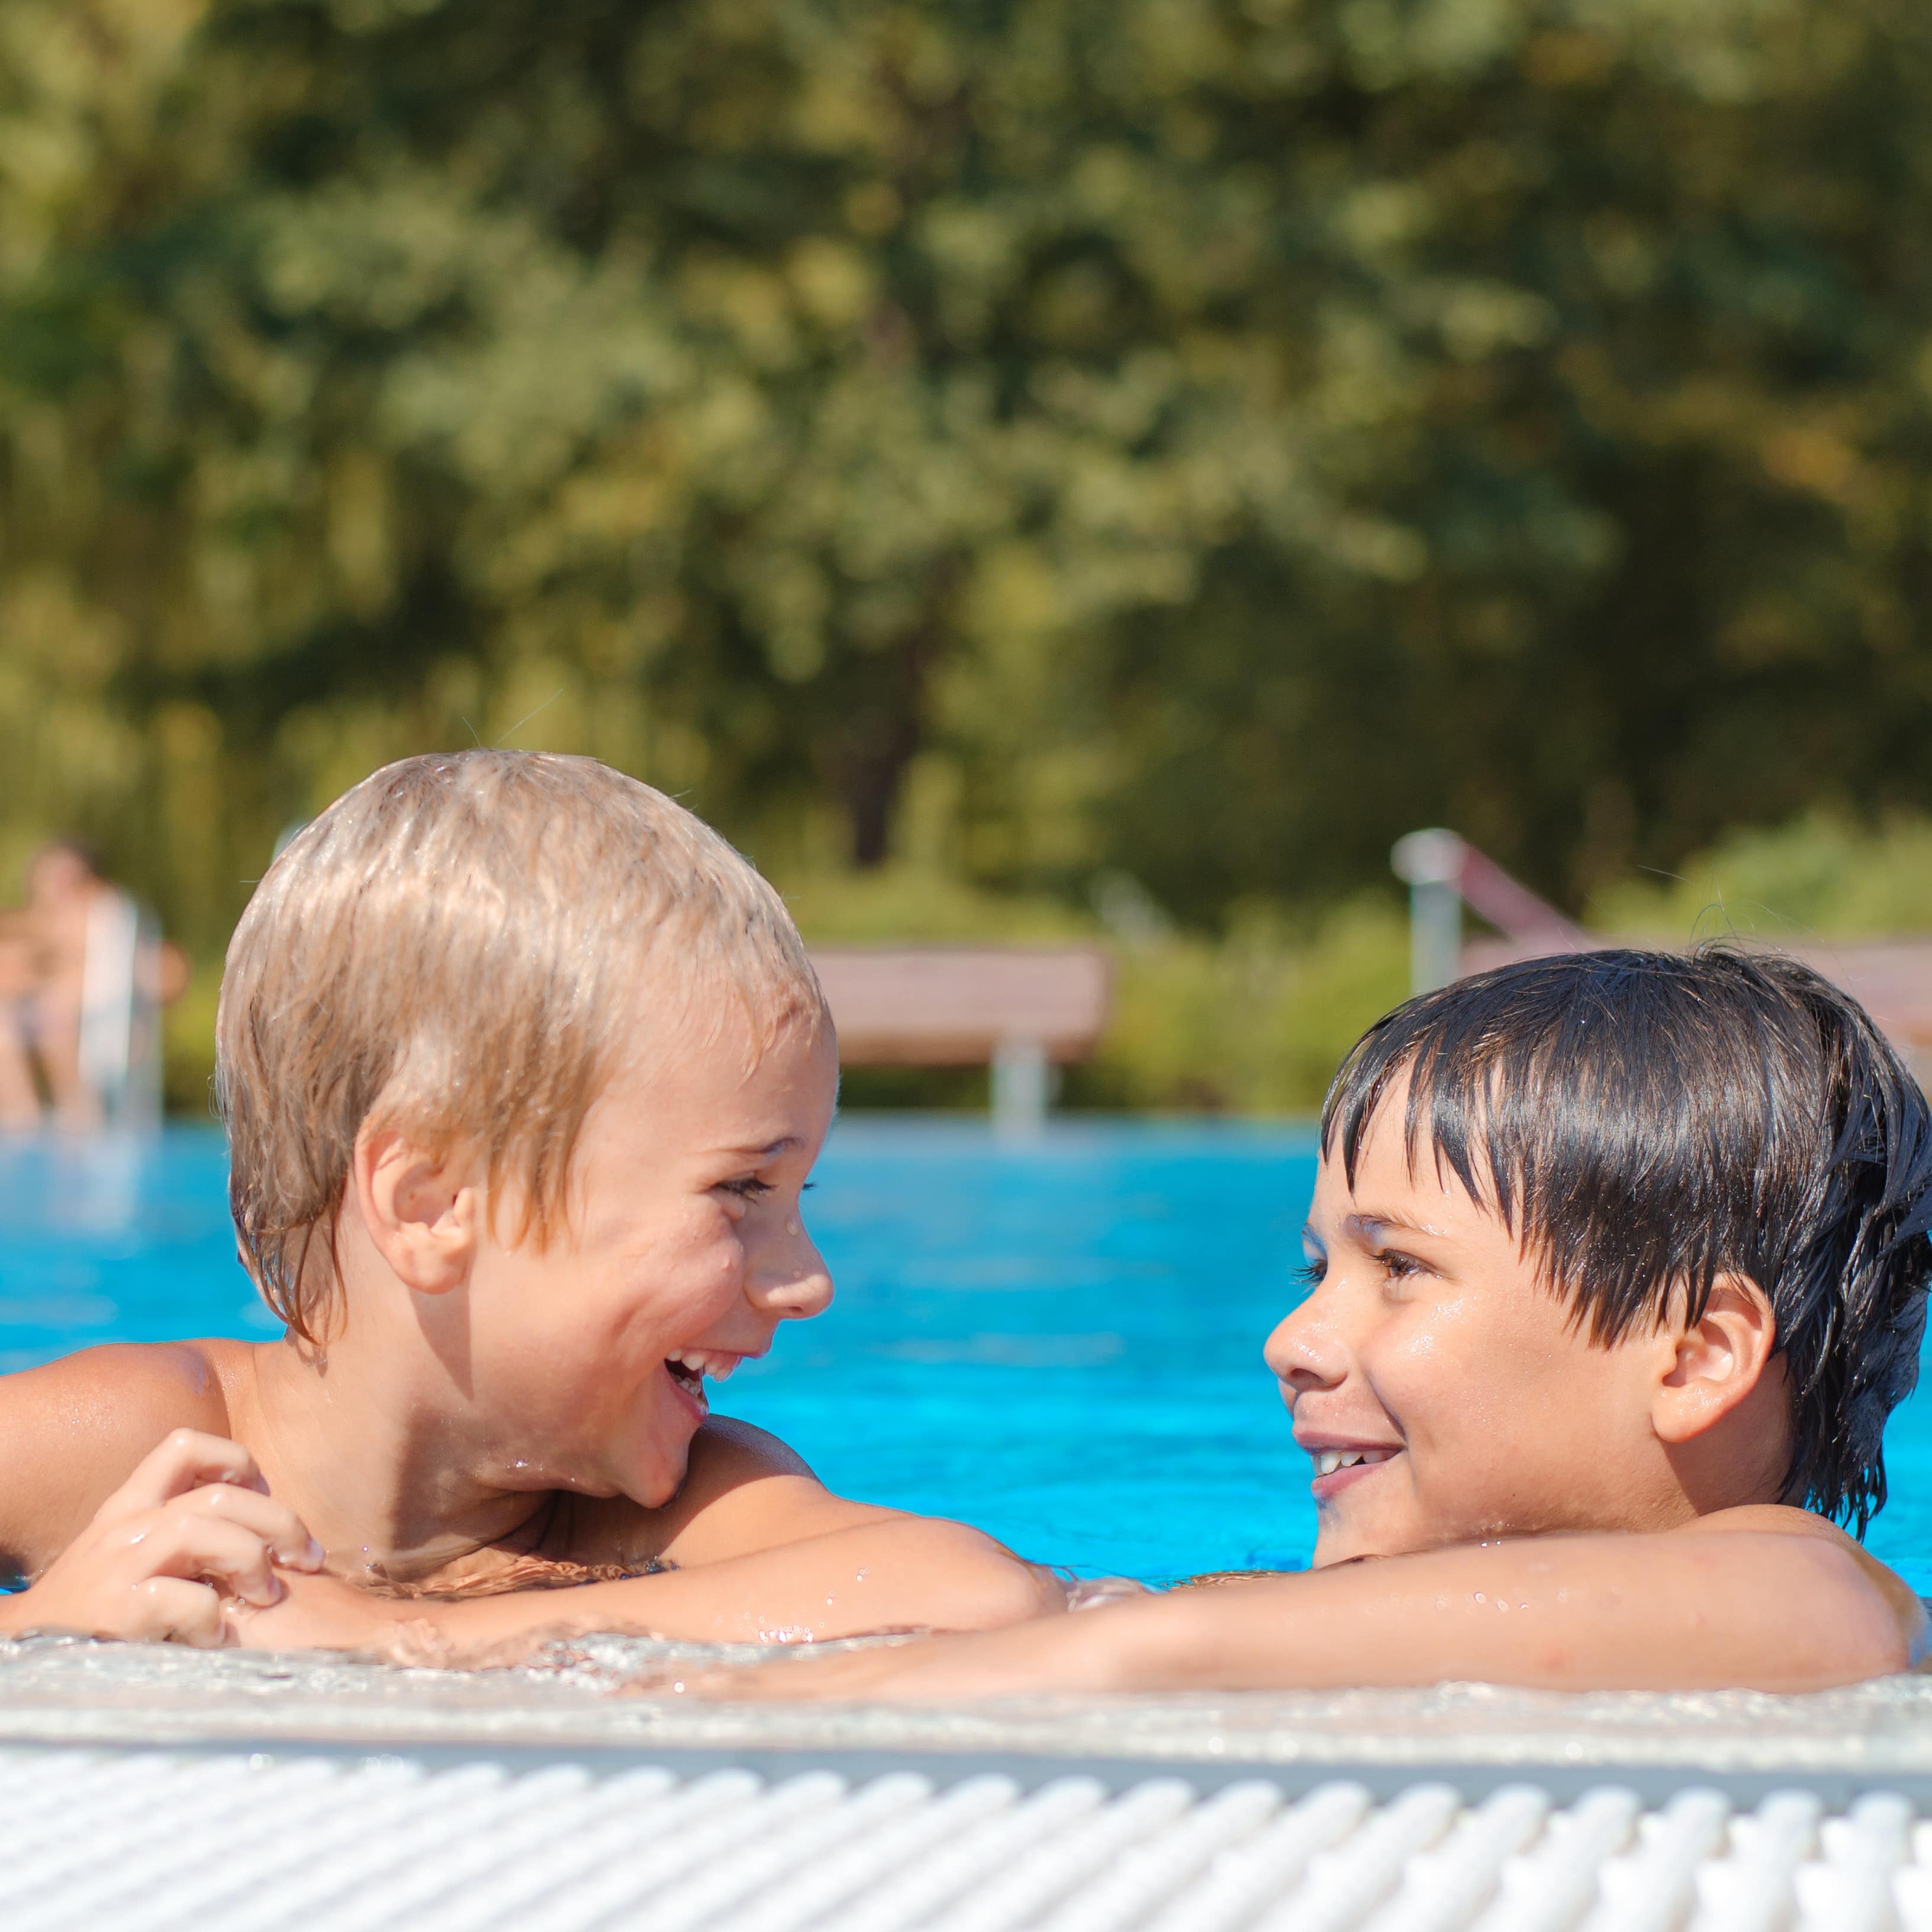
pixel 1019 1009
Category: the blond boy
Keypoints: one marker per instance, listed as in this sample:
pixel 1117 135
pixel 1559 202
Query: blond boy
pixel 524 1069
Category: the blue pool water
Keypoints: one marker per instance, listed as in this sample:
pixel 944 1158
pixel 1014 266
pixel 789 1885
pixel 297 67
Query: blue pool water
pixel 1061 1341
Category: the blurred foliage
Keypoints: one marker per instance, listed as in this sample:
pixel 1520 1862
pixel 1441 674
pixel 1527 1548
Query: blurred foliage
pixel 906 902
pixel 1009 443
pixel 187 1046
pixel 1822 875
pixel 1254 1020
pixel 1254 1024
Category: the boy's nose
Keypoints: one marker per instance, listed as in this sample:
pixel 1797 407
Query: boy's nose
pixel 794 1281
pixel 1305 1352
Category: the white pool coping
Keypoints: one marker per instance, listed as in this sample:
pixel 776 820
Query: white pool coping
pixel 582 1699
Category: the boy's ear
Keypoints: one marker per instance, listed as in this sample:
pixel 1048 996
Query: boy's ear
pixel 422 1211
pixel 1717 1361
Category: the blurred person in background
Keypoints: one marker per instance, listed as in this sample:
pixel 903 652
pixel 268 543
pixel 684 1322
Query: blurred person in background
pixel 83 975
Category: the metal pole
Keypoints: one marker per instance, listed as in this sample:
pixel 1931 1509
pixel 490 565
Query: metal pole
pixel 1431 863
pixel 1022 1079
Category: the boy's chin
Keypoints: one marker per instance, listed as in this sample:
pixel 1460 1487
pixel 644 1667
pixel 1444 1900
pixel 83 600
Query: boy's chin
pixel 652 1481
pixel 649 1476
pixel 1344 1541
pixel 1365 1537
pixel 647 1465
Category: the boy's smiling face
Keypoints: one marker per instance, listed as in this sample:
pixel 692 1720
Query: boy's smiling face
pixel 686 1250
pixel 1444 1391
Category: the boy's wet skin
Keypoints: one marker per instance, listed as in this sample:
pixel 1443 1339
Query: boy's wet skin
pixel 402 1442
pixel 1451 1394
pixel 685 1244
pixel 1590 1480
pixel 524 1072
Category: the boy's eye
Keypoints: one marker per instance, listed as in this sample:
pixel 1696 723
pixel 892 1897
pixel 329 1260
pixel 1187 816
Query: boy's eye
pixel 747 1187
pixel 1397 1265
pixel 1312 1270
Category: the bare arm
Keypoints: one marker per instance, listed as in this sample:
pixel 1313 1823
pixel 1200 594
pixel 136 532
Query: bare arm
pixel 1739 1606
pixel 762 1553
pixel 72 1432
pixel 894 1573
pixel 191 1530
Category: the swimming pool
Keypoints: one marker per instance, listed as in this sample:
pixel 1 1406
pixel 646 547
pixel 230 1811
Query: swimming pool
pixel 1059 1340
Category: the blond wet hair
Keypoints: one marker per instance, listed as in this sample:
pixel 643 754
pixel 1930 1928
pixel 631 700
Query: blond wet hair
pixel 460 948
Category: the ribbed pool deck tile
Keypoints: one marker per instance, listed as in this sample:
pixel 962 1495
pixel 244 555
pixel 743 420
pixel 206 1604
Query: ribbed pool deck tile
pixel 143 1840
pixel 145 1787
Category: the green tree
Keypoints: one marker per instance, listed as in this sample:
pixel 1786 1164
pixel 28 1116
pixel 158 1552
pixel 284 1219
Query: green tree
pixel 1199 438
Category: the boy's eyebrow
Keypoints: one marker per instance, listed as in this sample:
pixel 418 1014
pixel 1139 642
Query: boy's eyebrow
pixel 1371 1229
pixel 770 1152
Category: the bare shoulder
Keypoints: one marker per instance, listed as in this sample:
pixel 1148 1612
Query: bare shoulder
pixel 132 1390
pixel 71 1431
pixel 725 1451
pixel 744 1490
pixel 1782 1519
pixel 1766 1519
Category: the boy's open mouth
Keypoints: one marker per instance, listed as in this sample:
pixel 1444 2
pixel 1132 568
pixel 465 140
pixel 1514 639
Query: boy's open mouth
pixel 688 1368
pixel 1327 1461
pixel 1339 1469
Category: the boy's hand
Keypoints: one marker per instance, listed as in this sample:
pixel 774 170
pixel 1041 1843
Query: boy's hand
pixel 325 1613
pixel 194 1524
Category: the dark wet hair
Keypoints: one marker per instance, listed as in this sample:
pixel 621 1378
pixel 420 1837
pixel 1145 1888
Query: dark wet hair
pixel 1644 1122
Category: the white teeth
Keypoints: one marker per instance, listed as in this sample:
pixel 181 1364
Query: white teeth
pixel 701 1362
pixel 1327 1461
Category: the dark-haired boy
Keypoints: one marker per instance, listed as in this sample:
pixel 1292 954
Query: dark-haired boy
pixel 1618 1264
